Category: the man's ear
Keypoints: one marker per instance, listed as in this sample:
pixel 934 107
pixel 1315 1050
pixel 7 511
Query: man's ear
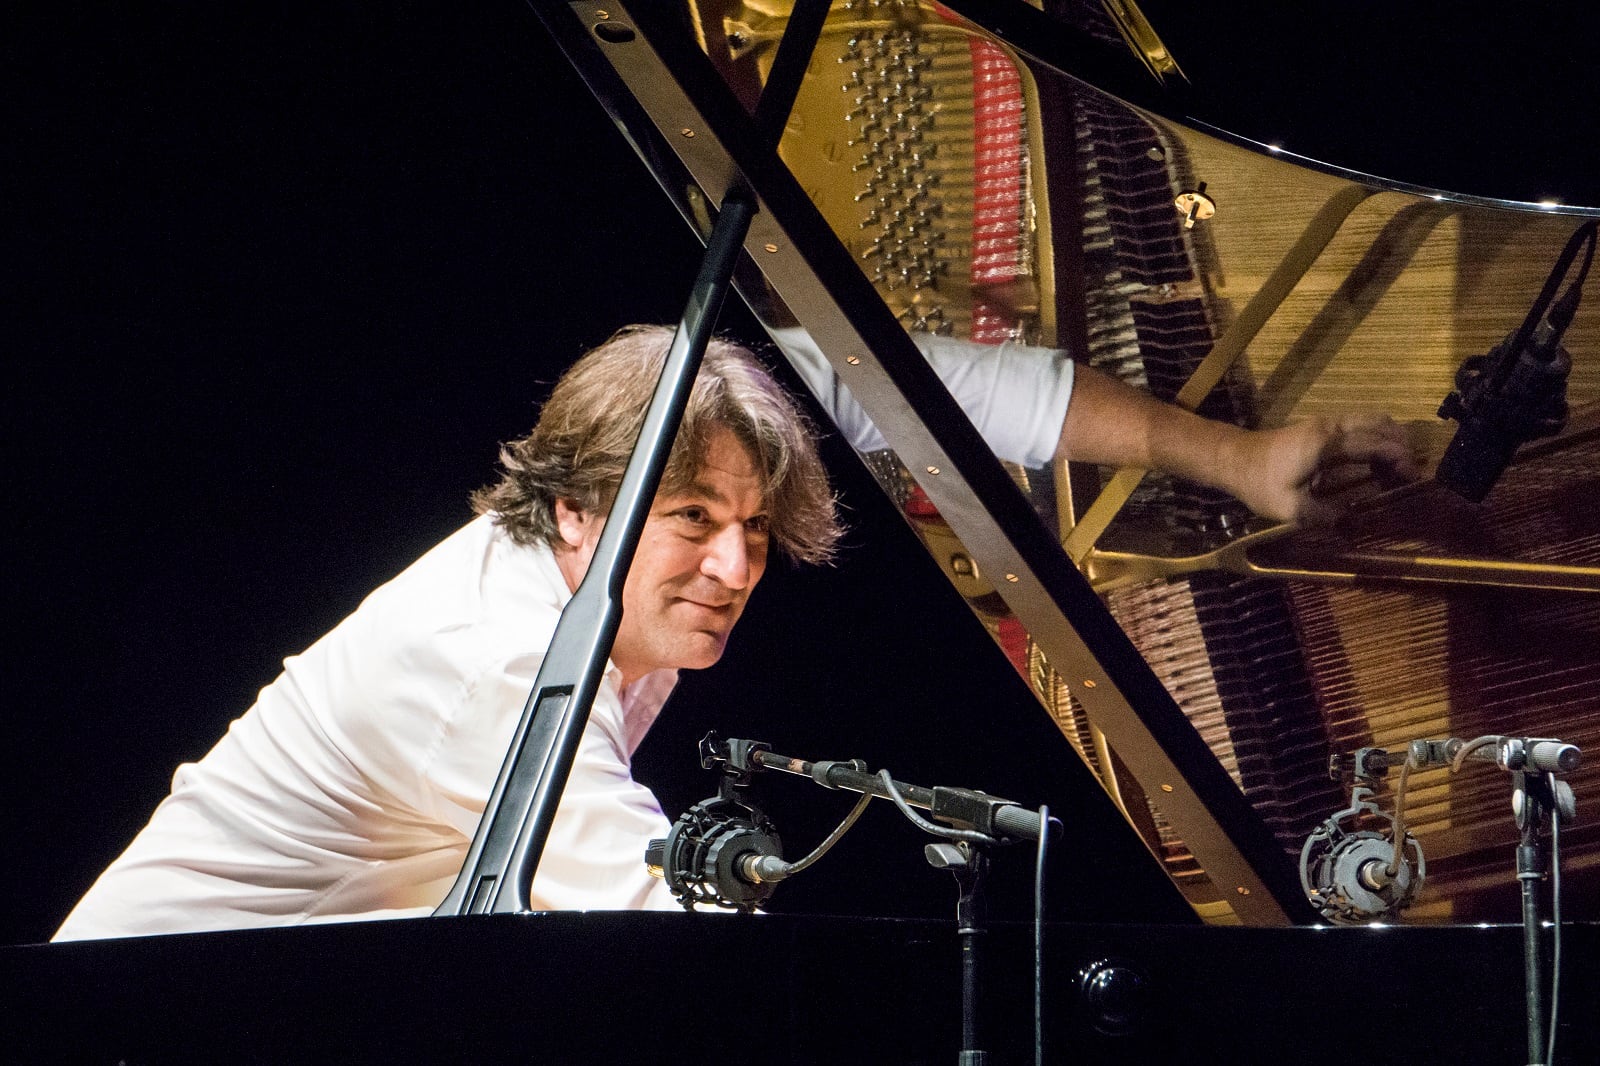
pixel 572 521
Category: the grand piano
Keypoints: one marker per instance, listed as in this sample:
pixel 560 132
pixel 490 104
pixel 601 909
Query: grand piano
pixel 1007 173
pixel 993 171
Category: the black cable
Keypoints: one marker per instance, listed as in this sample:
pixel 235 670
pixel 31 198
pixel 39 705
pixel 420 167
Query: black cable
pixel 1555 913
pixel 1584 235
pixel 1038 938
pixel 972 836
pixel 832 838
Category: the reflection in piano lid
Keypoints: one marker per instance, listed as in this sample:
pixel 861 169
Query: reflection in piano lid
pixel 988 196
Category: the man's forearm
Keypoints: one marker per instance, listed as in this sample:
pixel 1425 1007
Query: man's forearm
pixel 1113 424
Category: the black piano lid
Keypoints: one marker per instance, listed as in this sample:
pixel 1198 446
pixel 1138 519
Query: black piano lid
pixel 329 230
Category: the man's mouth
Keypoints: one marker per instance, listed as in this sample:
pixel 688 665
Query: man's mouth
pixel 718 613
pixel 704 606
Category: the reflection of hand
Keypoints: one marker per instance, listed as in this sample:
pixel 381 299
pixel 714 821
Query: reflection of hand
pixel 1301 473
pixel 1310 472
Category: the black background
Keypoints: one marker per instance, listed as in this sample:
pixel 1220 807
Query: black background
pixel 278 278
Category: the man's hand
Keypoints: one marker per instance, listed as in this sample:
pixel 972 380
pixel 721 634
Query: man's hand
pixel 1302 473
pixel 1310 472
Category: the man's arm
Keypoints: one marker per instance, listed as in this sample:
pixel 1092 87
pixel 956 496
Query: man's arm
pixel 1017 396
pixel 1288 474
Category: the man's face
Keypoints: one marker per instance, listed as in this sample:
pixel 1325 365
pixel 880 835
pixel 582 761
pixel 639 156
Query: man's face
pixel 700 555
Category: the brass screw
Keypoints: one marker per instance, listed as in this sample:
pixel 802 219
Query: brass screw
pixel 687 132
pixel 770 247
pixel 1242 890
pixel 602 15
pixel 1166 788
pixel 1011 578
pixel 853 360
pixel 1087 683
pixel 933 470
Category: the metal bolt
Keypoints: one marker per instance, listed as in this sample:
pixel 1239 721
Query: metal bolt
pixel 1194 205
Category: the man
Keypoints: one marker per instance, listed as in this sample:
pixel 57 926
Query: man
pixel 354 785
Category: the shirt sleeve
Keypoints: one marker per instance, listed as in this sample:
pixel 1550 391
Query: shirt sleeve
pixel 1015 395
pixel 594 856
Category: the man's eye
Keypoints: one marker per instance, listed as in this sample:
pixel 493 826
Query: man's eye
pixel 759 524
pixel 694 515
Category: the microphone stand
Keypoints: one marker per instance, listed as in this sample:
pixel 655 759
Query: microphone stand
pixel 1532 800
pixel 975 822
pixel 1537 793
pixel 969 862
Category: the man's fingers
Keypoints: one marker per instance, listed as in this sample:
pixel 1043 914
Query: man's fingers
pixel 1358 453
pixel 1374 440
pixel 1332 479
pixel 1315 513
pixel 1310 472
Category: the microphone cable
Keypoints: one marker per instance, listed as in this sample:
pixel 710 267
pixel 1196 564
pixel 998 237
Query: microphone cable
pixel 1038 937
pixel 1393 869
pixel 1555 935
pixel 970 836
pixel 828 842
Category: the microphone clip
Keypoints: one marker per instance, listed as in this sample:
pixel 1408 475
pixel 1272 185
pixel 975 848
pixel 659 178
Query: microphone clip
pixel 737 758
pixel 1353 875
pixel 707 855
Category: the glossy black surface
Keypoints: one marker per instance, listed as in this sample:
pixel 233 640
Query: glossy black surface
pixel 602 988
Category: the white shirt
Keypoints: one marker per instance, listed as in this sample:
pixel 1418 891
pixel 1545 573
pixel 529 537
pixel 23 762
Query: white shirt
pixel 354 785
pixel 1015 395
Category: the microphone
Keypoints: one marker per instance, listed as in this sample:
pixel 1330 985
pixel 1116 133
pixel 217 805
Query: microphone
pixel 1502 400
pixel 724 852
pixel 1518 391
pixel 1355 875
pixel 1515 754
pixel 719 853
pixel 1346 874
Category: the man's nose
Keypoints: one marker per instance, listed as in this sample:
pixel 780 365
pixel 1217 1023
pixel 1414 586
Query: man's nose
pixel 727 558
